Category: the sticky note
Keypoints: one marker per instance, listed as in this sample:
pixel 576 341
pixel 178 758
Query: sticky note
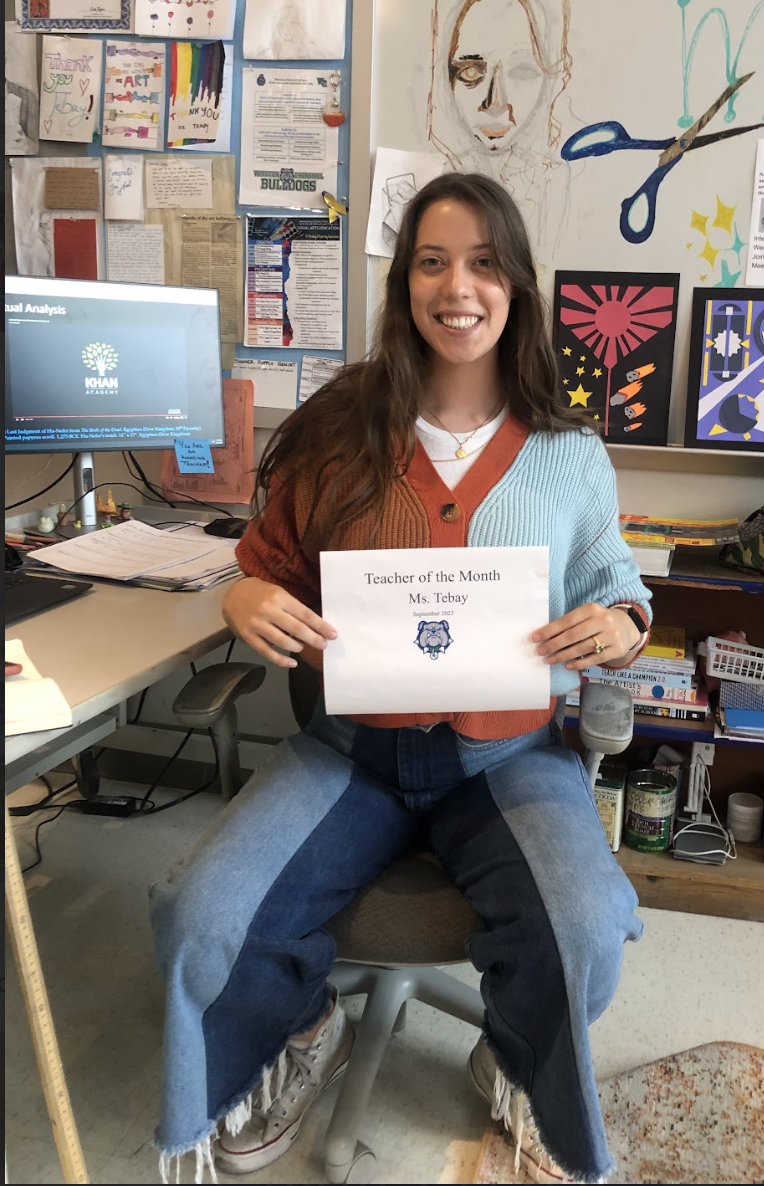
pixel 194 457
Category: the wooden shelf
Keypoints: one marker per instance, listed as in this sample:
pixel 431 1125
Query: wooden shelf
pixel 668 729
pixel 684 461
pixel 699 570
pixel 732 890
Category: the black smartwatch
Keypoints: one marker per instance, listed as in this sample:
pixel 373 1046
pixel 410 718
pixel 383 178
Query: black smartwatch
pixel 636 619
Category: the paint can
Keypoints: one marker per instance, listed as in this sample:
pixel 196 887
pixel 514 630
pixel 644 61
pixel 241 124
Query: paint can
pixel 650 810
pixel 610 796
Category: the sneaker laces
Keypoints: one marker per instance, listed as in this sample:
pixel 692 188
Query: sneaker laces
pixel 295 1062
pixel 513 1109
pixel 299 1071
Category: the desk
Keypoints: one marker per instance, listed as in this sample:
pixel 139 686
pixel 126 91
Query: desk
pixel 101 649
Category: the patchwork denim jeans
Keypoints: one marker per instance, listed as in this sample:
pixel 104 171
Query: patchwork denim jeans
pixel 239 923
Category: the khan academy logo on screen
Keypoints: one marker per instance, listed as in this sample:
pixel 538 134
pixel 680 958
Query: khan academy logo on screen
pixel 99 356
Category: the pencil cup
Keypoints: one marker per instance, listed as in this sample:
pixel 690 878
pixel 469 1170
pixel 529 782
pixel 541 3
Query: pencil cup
pixel 744 817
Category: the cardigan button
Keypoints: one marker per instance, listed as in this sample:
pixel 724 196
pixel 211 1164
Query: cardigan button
pixel 450 512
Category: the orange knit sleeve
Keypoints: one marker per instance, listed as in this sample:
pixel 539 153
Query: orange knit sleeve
pixel 271 549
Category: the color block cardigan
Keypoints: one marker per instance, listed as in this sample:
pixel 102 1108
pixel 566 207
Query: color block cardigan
pixel 525 489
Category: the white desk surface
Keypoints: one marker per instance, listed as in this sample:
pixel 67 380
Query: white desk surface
pixel 111 643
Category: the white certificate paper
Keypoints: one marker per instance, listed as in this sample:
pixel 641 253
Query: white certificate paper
pixel 435 629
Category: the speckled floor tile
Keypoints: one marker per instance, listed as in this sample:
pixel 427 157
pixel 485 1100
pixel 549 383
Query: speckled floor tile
pixel 692 1118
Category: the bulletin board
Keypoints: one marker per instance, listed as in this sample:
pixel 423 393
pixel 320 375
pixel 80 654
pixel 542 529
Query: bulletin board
pixel 556 67
pixel 225 166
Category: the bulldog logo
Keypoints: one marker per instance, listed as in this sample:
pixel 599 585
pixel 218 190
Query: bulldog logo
pixel 433 638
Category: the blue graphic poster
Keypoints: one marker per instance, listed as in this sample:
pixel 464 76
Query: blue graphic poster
pixel 725 398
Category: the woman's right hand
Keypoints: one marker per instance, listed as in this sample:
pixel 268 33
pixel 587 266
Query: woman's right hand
pixel 265 616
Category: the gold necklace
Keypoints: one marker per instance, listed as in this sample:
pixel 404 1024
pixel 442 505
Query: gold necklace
pixel 461 452
pixel 458 457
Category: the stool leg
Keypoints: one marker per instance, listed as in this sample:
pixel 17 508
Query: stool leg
pixel 392 989
pixel 225 736
pixel 449 995
pixel 400 1021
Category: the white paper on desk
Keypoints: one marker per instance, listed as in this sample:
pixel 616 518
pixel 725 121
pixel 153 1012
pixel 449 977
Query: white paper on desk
pixel 123 552
pixel 32 704
pixel 435 629
pixel 221 559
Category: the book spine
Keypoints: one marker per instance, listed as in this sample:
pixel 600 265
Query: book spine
pixel 672 711
pixel 645 693
pixel 631 677
pixel 706 541
pixel 653 665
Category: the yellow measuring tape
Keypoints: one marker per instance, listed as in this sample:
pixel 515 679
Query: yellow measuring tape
pixel 40 1019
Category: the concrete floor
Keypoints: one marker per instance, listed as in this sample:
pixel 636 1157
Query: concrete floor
pixel 689 981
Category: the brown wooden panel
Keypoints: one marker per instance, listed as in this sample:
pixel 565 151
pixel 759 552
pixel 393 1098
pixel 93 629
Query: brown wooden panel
pixel 732 890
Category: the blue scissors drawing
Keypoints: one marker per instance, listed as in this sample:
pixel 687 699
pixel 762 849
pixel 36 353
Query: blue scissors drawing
pixel 638 211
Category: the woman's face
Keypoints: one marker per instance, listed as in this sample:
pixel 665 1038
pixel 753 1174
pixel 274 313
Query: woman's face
pixel 459 302
pixel 495 76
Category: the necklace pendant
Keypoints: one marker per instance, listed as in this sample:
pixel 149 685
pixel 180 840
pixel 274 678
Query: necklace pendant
pixel 461 452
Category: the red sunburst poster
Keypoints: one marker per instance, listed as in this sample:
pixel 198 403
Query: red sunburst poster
pixel 614 337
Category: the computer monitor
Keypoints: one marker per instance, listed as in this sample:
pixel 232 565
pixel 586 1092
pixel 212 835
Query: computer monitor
pixel 92 365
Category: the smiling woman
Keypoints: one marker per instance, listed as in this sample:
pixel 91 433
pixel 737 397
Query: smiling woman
pixel 500 70
pixel 461 343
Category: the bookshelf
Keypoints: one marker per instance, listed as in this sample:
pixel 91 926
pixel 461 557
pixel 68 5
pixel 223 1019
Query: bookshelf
pixel 668 729
pixel 732 890
pixel 694 569
pixel 705 597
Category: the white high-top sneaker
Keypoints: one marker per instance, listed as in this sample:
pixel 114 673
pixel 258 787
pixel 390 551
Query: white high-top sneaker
pixel 303 1070
pixel 513 1108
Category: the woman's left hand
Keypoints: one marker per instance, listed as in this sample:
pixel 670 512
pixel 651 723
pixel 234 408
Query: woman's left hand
pixel 590 634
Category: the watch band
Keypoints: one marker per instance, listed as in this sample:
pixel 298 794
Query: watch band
pixel 634 615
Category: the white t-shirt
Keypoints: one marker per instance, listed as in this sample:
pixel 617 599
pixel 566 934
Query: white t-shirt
pixel 440 447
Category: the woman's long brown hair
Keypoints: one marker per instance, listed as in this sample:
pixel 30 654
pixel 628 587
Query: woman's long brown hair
pixel 356 435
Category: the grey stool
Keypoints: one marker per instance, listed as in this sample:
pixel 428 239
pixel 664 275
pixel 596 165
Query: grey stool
pixel 399 929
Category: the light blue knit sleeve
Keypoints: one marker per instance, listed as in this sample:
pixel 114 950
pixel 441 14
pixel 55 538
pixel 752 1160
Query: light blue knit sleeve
pixel 602 568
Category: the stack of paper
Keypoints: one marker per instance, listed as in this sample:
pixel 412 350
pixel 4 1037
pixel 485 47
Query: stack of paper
pixel 31 702
pixel 143 555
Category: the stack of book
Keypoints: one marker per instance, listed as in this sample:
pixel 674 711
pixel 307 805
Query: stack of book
pixel 652 541
pixel 663 680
